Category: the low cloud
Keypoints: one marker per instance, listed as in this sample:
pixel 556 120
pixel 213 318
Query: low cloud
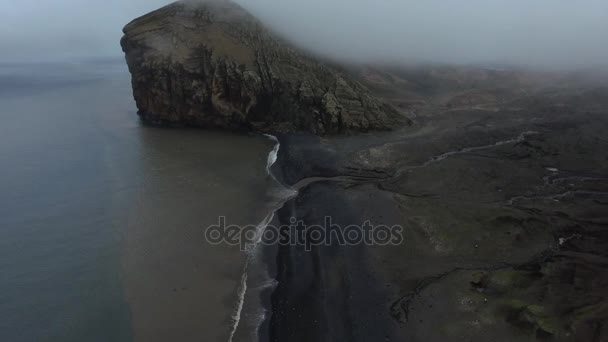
pixel 539 33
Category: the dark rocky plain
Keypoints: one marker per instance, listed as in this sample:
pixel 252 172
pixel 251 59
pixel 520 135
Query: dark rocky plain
pixel 501 185
pixel 498 177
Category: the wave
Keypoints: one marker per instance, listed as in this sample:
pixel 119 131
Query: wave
pixel 272 156
pixel 236 316
pixel 252 251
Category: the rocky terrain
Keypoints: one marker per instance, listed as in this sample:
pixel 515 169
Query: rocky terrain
pixel 211 64
pixel 504 202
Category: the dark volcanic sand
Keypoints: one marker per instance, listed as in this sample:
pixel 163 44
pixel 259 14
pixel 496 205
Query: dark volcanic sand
pixel 504 205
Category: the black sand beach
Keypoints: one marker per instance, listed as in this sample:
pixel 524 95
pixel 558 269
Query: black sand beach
pixel 504 211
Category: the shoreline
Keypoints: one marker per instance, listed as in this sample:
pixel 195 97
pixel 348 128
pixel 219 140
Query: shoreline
pixel 262 280
pixel 164 254
pixel 302 306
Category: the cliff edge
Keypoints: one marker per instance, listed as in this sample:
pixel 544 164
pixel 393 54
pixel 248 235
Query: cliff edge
pixel 212 64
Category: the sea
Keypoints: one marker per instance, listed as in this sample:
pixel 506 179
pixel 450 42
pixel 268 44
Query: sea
pixel 103 217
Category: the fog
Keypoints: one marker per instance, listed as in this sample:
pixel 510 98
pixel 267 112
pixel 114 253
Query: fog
pixel 49 30
pixel 537 33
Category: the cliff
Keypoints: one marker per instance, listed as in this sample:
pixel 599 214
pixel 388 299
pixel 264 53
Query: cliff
pixel 212 64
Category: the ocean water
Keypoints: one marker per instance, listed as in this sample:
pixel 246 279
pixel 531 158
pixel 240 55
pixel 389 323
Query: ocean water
pixel 102 218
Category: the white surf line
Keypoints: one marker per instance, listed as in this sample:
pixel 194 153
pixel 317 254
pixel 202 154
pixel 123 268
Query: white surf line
pixel 272 156
pixel 242 290
pixel 252 249
pixel 236 315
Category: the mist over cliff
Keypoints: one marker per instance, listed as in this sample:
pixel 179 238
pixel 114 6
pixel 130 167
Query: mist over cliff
pixel 536 33
pixel 541 33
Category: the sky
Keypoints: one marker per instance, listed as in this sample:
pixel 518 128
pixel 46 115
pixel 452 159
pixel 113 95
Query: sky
pixel 538 33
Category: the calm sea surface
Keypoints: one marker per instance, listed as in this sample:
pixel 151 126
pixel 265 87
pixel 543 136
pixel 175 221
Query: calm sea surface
pixel 102 218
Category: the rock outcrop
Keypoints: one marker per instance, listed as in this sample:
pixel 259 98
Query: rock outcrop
pixel 212 64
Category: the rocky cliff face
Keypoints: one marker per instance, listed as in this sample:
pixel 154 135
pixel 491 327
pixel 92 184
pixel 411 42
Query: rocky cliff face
pixel 212 64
